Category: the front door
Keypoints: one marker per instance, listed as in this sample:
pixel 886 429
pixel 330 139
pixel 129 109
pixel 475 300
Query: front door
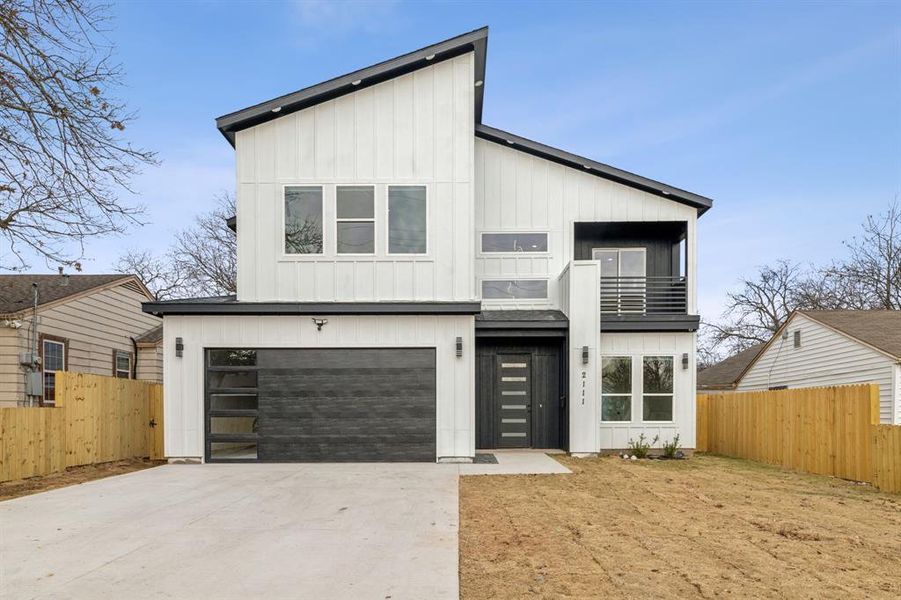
pixel 514 400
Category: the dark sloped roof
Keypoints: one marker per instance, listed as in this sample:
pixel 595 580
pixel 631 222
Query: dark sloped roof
pixel 724 374
pixel 475 41
pixel 522 315
pixel 592 167
pixel 151 336
pixel 878 328
pixel 16 292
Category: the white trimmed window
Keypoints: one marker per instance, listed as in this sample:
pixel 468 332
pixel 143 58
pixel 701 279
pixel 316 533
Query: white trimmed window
pixel 303 219
pixel 616 388
pixel 355 216
pixel 513 243
pixel 514 289
pixel 657 388
pixel 122 364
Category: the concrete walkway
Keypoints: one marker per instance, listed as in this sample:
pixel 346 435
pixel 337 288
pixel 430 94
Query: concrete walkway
pixel 238 531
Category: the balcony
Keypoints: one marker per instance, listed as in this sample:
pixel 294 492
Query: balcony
pixel 648 296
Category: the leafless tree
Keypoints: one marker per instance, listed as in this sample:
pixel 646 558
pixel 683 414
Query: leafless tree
pixel 63 160
pixel 871 275
pixel 202 260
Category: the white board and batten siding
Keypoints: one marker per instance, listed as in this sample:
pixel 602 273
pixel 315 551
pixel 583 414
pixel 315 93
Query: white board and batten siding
pixel 616 435
pixel 825 358
pixel 518 192
pixel 184 377
pixel 416 129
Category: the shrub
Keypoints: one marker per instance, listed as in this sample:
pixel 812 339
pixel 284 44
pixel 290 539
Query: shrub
pixel 642 446
pixel 670 448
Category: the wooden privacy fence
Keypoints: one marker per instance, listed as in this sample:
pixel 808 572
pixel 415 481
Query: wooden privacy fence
pixel 96 419
pixel 827 431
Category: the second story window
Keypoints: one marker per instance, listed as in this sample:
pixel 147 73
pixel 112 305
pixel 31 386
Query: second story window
pixel 355 213
pixel 407 219
pixel 303 219
pixel 513 242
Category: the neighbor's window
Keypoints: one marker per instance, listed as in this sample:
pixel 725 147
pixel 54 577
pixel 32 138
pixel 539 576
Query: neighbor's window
pixel 355 212
pixel 303 219
pixel 53 358
pixel 616 388
pixel 123 365
pixel 407 219
pixel 657 388
pixel 514 289
pixel 514 242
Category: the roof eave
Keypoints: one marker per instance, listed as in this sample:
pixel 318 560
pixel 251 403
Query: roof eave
pixel 474 41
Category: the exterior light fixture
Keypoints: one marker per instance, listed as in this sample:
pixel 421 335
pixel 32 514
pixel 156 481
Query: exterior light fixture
pixel 479 83
pixel 664 192
pixel 459 347
pixel 319 323
pixel 277 109
pixel 430 57
pixel 179 347
pixel 510 142
pixel 584 355
pixel 356 82
pixel 587 167
pixel 685 360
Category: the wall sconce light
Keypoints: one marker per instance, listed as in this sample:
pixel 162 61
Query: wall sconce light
pixel 584 355
pixel 685 360
pixel 459 347
pixel 319 323
pixel 179 347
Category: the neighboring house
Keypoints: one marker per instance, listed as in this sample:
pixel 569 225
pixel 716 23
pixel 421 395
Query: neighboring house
pixel 416 285
pixel 833 347
pixel 85 323
pixel 724 375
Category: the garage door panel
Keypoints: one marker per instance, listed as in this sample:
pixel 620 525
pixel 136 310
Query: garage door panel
pixel 344 405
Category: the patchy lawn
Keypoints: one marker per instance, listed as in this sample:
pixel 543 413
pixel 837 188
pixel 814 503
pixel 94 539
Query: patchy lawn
pixel 699 528
pixel 72 476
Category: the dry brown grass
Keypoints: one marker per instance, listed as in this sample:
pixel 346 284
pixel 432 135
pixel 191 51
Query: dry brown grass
pixel 702 528
pixel 72 476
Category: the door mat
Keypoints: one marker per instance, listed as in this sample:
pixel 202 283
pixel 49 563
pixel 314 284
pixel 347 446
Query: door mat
pixel 485 459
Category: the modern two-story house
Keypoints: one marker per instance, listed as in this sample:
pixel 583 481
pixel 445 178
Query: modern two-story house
pixel 414 285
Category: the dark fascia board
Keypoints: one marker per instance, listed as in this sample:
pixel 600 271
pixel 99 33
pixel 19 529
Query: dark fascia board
pixel 592 167
pixel 522 324
pixel 650 323
pixel 232 223
pixel 521 333
pixel 475 41
pixel 311 308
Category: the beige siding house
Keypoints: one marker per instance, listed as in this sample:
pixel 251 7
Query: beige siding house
pixel 82 323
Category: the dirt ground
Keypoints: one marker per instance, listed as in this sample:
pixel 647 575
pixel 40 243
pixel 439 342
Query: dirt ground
pixel 72 476
pixel 700 528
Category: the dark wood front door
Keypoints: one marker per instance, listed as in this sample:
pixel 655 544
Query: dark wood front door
pixel 514 400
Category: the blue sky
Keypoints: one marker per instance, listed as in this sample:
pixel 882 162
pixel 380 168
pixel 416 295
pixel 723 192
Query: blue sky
pixel 788 115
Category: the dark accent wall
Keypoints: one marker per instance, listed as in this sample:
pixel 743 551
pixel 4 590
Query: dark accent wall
pixel 661 239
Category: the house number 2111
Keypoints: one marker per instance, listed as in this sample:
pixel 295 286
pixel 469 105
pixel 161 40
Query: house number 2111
pixel 584 377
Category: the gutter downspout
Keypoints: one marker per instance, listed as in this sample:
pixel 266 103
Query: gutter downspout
pixel 134 363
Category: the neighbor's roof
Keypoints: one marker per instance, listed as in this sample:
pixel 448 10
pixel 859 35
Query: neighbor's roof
pixel 16 293
pixel 151 337
pixel 725 374
pixel 477 42
pixel 880 329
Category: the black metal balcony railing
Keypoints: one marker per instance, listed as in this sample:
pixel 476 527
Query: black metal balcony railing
pixel 643 296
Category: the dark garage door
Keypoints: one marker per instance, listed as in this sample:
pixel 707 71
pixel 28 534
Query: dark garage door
pixel 321 405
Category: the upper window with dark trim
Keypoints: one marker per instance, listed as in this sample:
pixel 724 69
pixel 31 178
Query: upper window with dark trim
pixel 407 219
pixel 502 243
pixel 122 364
pixel 303 219
pixel 514 289
pixel 355 216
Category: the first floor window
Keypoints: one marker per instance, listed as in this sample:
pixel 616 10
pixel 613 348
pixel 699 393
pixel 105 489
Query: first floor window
pixel 355 213
pixel 53 358
pixel 122 364
pixel 616 388
pixel 657 388
pixel 407 219
pixel 303 219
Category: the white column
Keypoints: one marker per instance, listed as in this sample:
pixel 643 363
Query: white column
pixel 584 330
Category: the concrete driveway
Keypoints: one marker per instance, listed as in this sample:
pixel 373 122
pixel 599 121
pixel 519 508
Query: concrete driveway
pixel 238 531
